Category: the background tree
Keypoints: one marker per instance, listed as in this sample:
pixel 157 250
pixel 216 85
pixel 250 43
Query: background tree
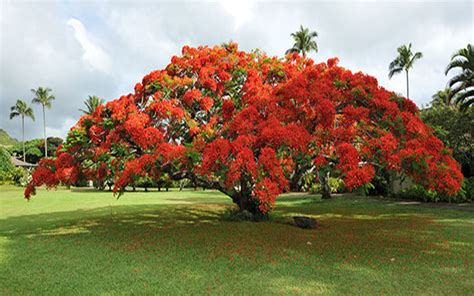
pixel 43 97
pixel 304 41
pixel 404 62
pixel 34 149
pixel 91 104
pixel 462 84
pixel 23 110
pixel 455 128
pixel 442 98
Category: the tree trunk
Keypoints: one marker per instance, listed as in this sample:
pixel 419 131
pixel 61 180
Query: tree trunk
pixel 44 130
pixel 246 203
pixel 389 180
pixel 408 87
pixel 244 199
pixel 23 136
pixel 324 181
pixel 295 180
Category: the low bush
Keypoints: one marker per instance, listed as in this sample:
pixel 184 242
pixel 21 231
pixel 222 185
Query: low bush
pixel 336 185
pixel 17 176
pixel 417 192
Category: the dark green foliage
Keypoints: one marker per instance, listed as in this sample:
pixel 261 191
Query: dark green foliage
pixel 5 161
pixel 456 129
pixel 34 149
pixel 380 183
pixel 145 182
pixel 468 188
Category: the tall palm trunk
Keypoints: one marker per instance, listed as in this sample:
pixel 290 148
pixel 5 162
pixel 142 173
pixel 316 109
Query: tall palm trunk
pixel 408 87
pixel 44 132
pixel 23 136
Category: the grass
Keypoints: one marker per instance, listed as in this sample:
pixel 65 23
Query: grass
pixel 176 243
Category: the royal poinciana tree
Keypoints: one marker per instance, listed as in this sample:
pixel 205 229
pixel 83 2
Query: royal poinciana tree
pixel 248 125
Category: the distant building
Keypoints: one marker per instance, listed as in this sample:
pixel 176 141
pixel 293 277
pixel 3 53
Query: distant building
pixel 19 163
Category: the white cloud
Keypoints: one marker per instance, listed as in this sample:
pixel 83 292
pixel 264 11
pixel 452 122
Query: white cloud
pixel 93 54
pixel 241 10
pixel 59 131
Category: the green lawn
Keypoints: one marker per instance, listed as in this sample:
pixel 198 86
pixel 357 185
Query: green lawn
pixel 85 242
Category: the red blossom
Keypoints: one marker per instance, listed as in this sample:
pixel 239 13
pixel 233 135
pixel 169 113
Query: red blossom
pixel 246 120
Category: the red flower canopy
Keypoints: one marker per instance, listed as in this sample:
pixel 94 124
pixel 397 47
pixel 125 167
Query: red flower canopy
pixel 243 123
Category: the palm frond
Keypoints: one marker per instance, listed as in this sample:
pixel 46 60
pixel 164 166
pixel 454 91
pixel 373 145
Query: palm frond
pixel 404 60
pixel 304 41
pixel 29 113
pixel 457 63
pixel 395 67
pixel 462 77
pixel 467 104
pixel 417 56
pixel 291 50
pixel 21 109
pixel 43 96
pixel 14 114
pixel 465 98
pixel 91 104
pixel 394 71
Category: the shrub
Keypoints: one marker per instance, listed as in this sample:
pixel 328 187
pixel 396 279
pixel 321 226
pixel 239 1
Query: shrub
pixel 311 184
pixel 418 192
pixel 468 188
pixel 16 176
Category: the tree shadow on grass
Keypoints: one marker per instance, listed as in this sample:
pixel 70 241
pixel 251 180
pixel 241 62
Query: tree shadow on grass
pixel 180 249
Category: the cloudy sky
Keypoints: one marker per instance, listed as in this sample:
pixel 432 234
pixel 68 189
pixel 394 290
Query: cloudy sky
pixel 104 47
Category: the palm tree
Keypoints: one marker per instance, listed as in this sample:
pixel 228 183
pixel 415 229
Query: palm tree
pixel 23 110
pixel 304 41
pixel 462 84
pixel 91 104
pixel 404 61
pixel 43 97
